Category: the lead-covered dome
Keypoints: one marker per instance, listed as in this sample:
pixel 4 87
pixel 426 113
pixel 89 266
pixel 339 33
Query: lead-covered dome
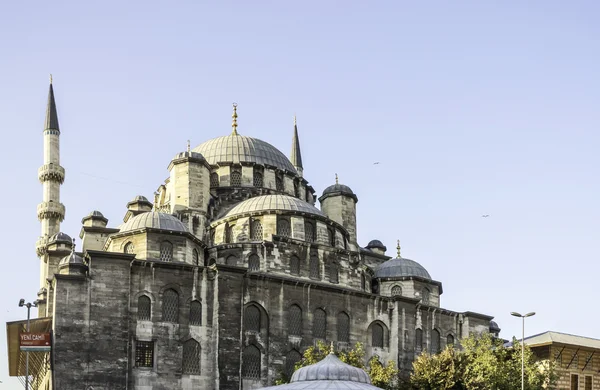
pixel 376 244
pixel 401 267
pixel 235 148
pixel 267 203
pixel 60 237
pixel 154 220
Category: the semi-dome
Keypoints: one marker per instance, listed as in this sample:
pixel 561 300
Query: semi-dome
pixel 273 203
pixel 235 148
pixel 376 244
pixel 154 220
pixel 401 267
pixel 60 237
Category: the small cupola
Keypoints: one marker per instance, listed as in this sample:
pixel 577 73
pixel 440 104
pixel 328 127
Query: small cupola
pixel 72 264
pixel 377 247
pixel 95 219
pixel 140 204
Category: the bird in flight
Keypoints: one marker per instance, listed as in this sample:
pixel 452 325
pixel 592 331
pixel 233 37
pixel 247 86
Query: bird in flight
pixel 376 162
pixel 485 215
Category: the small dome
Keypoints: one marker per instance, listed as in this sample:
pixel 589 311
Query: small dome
pixel 494 326
pixel 154 220
pixel 60 237
pixel 330 369
pixel 72 259
pixel 401 267
pixel 338 189
pixel 273 202
pixel 376 244
pixel 95 213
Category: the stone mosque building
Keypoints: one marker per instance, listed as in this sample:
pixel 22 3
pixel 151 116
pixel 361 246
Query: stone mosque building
pixel 224 277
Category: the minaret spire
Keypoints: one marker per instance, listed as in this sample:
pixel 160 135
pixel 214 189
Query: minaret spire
pixel 51 116
pixel 296 156
pixel 234 122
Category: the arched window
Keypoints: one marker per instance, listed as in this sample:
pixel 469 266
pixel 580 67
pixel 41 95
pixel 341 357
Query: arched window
pixel 396 291
pixel 256 230
pixel 295 265
pixel 231 260
pixel 191 357
pixel 214 180
pixel 195 313
pixel 144 308
pixel 334 272
pixel 331 237
pixel 228 234
pixel 254 262
pixel 363 282
pixel 425 296
pixel 450 340
pixel 291 359
pixel 258 179
pixel 418 340
pixel 166 251
pixel 252 318
pixel 310 233
pixel 343 327
pixel 236 178
pixel 279 182
pixel 377 335
pixel 435 341
pixel 128 248
pixel 295 321
pixel 315 267
pixel 320 324
pixel 283 227
pixel 170 306
pixel 251 363
pixel 195 257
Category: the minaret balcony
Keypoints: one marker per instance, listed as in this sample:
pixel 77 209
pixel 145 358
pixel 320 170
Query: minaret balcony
pixel 51 210
pixel 41 246
pixel 51 172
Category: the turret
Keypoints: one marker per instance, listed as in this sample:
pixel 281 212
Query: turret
pixel 94 232
pixel 296 156
pixel 338 202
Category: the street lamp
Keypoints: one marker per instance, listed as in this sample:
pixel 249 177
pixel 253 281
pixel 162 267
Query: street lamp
pixel 28 305
pixel 515 314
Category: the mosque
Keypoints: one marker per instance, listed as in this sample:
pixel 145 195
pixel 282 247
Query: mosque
pixel 224 277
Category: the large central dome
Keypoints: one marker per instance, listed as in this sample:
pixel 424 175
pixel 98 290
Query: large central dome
pixel 235 148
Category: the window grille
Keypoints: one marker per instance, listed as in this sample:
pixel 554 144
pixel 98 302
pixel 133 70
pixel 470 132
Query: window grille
pixel 195 257
pixel 236 179
pixel 418 340
pixel 258 179
pixel 252 318
pixel 257 230
pixel 251 363
pixel 450 340
pixel 334 273
pixel 320 324
pixel 363 282
pixel 279 183
pixel 435 341
pixel 425 296
pixel 377 335
pixel 396 291
pixel 295 320
pixel 166 251
pixel 283 227
pixel 588 383
pixel 191 357
pixel 309 232
pixel 574 382
pixel 254 262
pixel 144 353
pixel 228 234
pixel 128 248
pixel 195 313
pixel 315 267
pixel 343 327
pixel 291 359
pixel 231 260
pixel 144 308
pixel 170 306
pixel 295 265
pixel 214 180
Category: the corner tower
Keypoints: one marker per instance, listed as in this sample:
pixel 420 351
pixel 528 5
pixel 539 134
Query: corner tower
pixel 338 202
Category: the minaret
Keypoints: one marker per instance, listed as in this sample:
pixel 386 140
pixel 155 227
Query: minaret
pixel 51 212
pixel 296 156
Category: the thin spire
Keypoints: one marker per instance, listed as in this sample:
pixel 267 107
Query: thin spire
pixel 188 145
pixel 234 123
pixel 398 248
pixel 331 349
pixel 296 156
pixel 336 179
pixel 51 116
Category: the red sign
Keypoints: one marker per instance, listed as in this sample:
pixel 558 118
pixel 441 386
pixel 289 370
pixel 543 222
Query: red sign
pixel 34 341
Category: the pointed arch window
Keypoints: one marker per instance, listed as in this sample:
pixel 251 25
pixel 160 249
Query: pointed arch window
pixel 295 320
pixel 251 363
pixel 170 306
pixel 310 233
pixel 331 237
pixel 334 276
pixel 279 182
pixel 231 260
pixel 450 340
pixel 418 340
pixel 166 251
pixel 191 357
pixel 236 178
pixel 256 230
pixel 435 341
pixel 320 324
pixel 291 359
pixel 295 265
pixel 396 291
pixel 343 327
pixel 377 335
pixel 128 248
pixel 144 308
pixel 315 267
pixel 195 257
pixel 195 313
pixel 254 262
pixel 258 179
pixel 252 318
pixel 283 227
pixel 214 180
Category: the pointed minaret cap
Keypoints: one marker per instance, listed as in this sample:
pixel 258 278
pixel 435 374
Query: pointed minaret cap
pixel 296 155
pixel 51 116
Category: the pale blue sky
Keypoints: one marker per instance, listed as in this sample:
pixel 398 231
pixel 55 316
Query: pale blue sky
pixel 472 107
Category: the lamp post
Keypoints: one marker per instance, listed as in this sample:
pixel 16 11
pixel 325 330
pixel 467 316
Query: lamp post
pixel 515 314
pixel 28 305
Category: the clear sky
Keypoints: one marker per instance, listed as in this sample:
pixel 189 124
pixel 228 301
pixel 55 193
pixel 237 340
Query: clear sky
pixel 471 108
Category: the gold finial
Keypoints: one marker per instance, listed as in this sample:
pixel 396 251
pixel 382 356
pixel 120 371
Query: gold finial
pixel 336 179
pixel 50 78
pixel 331 350
pixel 398 248
pixel 188 146
pixel 234 123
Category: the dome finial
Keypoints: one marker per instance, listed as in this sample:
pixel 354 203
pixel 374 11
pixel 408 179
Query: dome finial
pixel 336 179
pixel 188 146
pixel 50 78
pixel 295 122
pixel 398 248
pixel 234 123
pixel 331 349
pixel 73 248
